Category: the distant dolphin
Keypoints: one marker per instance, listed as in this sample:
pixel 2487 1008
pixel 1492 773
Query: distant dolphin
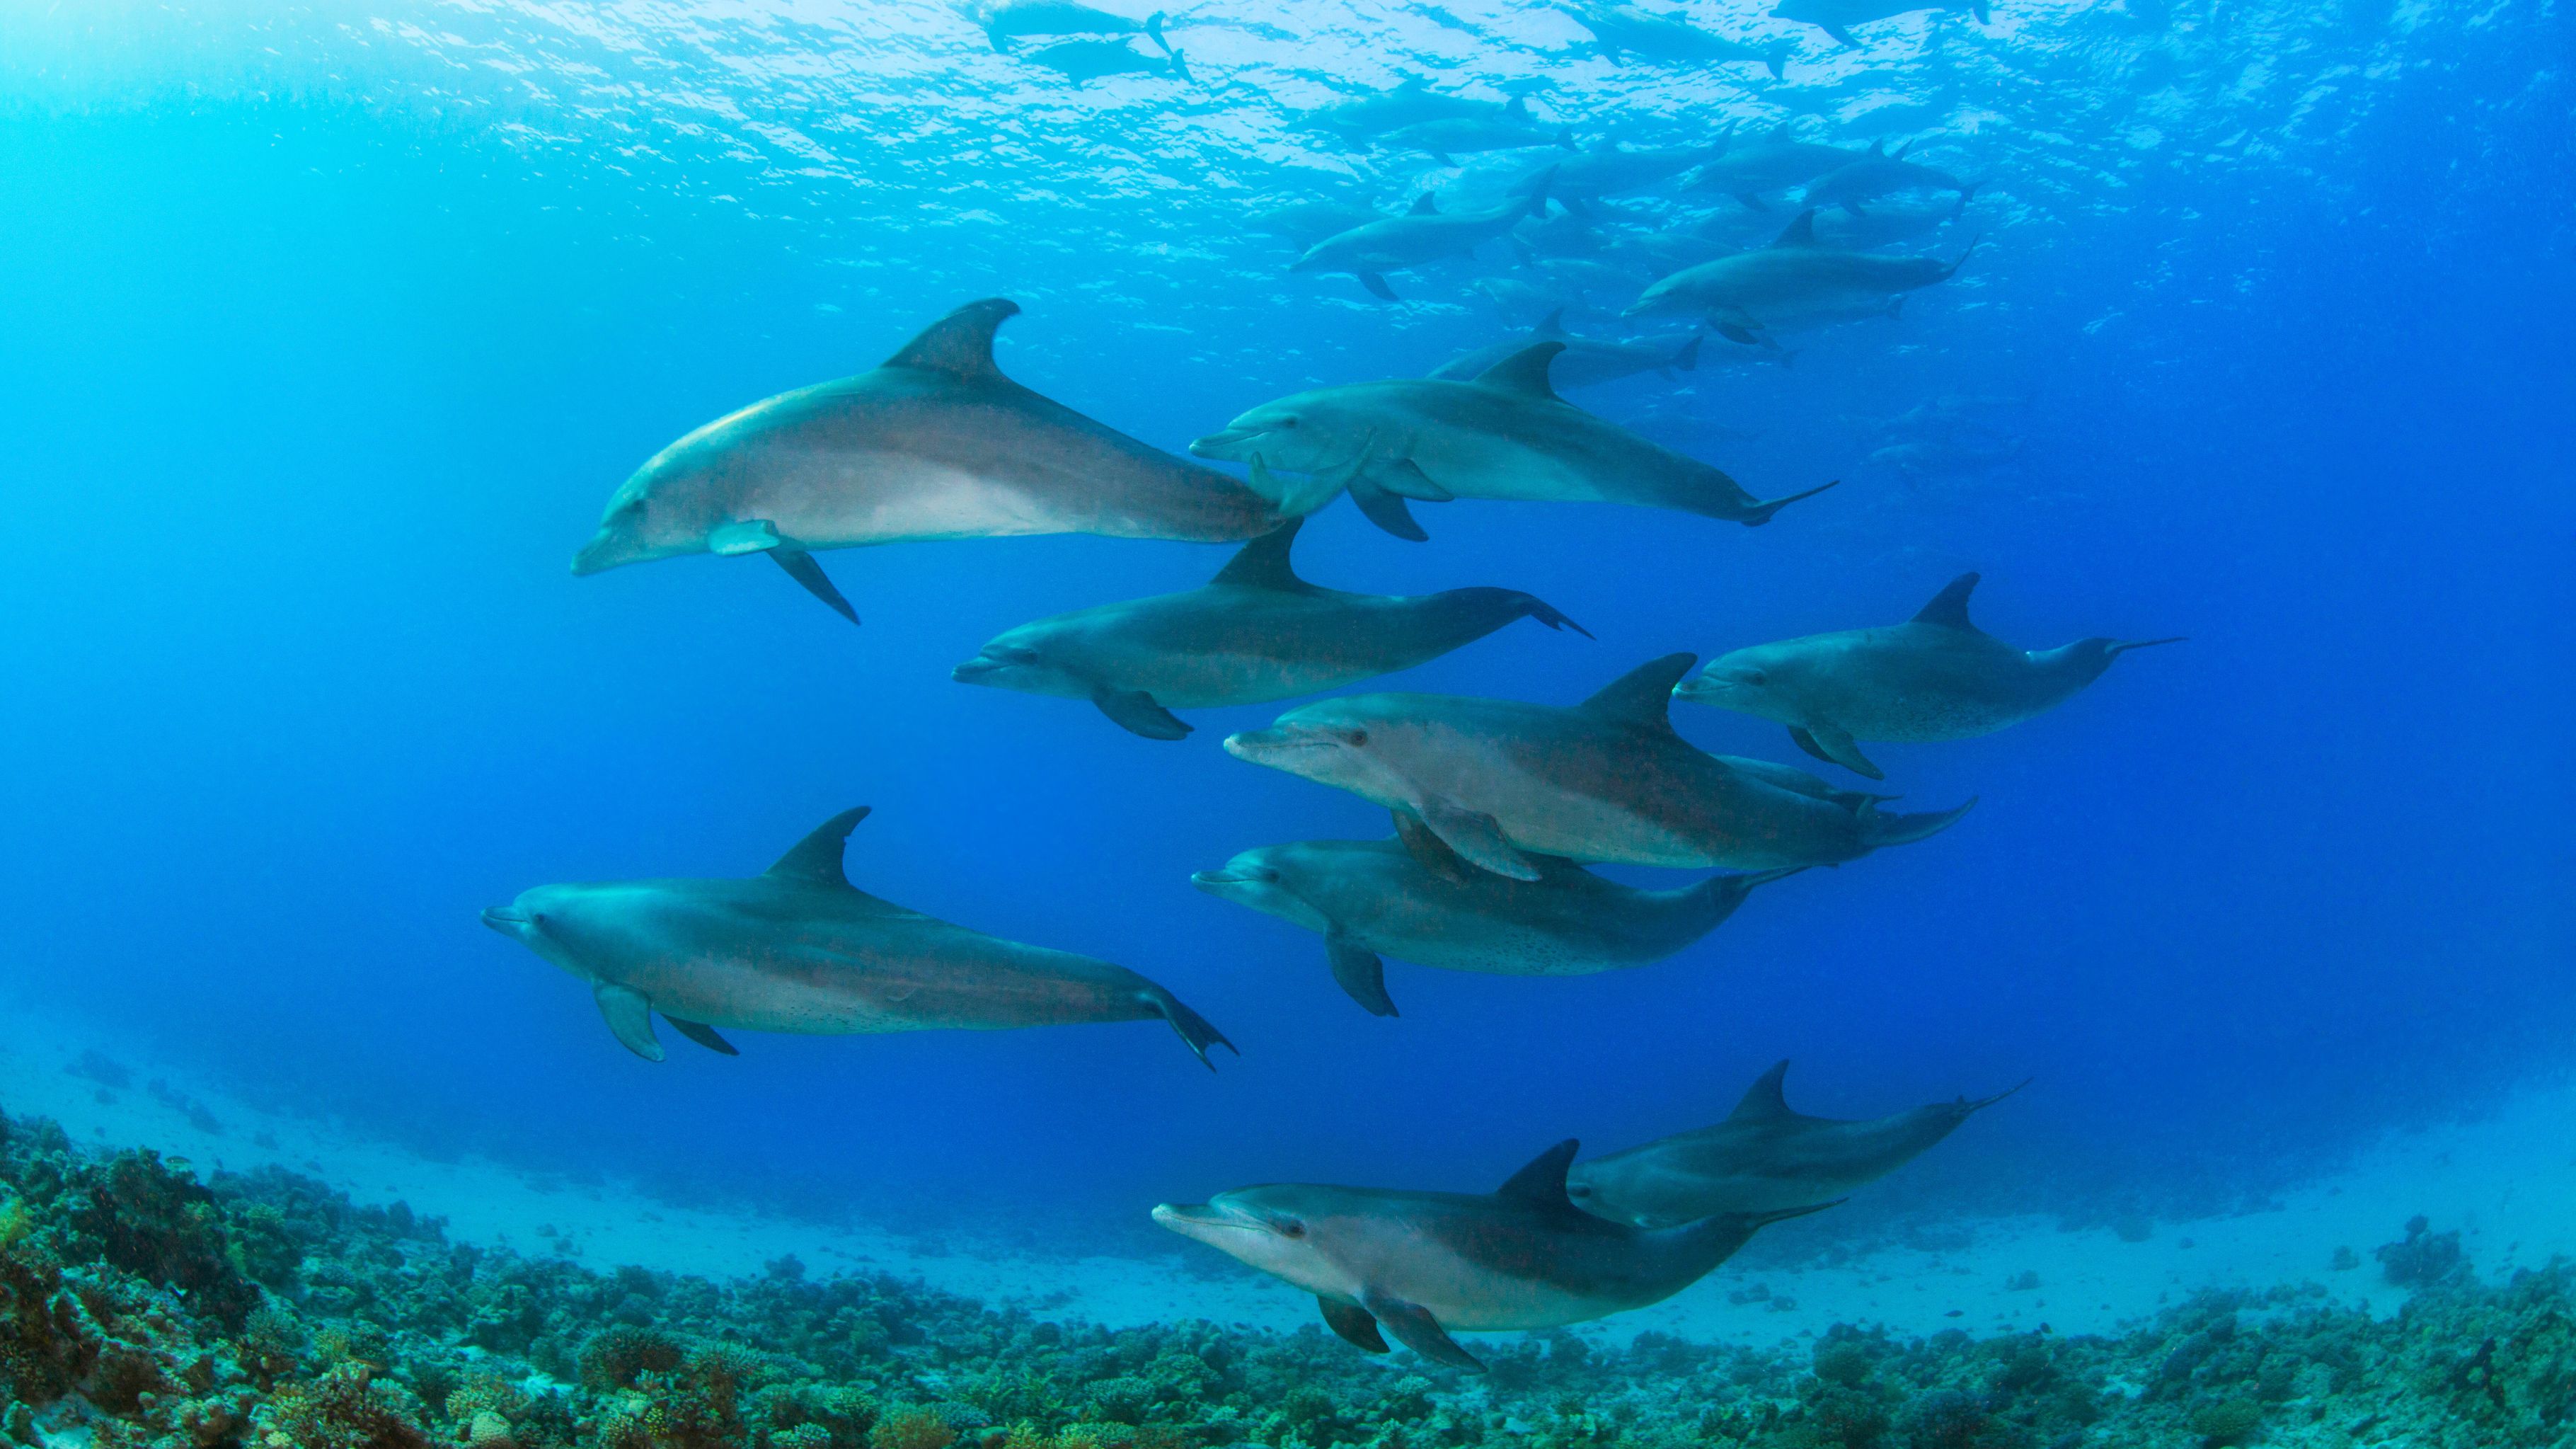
pixel 1410 103
pixel 1610 169
pixel 1772 163
pixel 1007 21
pixel 1255 633
pixel 1450 136
pixel 1412 897
pixel 1499 781
pixel 1585 362
pixel 1792 280
pixel 799 949
pixel 1935 677
pixel 1504 435
pixel 1425 234
pixel 1883 174
pixel 935 444
pixel 1762 1158
pixel 1421 1265
pixel 1837 17
pixel 1618 31
pixel 1091 60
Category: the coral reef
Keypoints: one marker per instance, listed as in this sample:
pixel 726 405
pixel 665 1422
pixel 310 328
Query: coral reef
pixel 140 1307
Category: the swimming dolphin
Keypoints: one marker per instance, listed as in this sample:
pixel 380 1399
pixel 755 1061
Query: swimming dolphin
pixel 1451 136
pixel 1618 31
pixel 1256 633
pixel 1504 435
pixel 1772 163
pixel 1762 1158
pixel 1410 103
pixel 935 444
pixel 1422 1265
pixel 1425 234
pixel 800 949
pixel 1792 281
pixel 1500 781
pixel 1610 169
pixel 1412 897
pixel 1514 298
pixel 1935 677
pixel 1837 17
pixel 1008 20
pixel 1091 60
pixel 1883 174
pixel 1304 223
pixel 1585 362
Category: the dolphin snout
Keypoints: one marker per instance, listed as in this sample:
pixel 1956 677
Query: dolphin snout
pixel 975 669
pixel 508 920
pixel 1217 882
pixel 605 551
pixel 1214 444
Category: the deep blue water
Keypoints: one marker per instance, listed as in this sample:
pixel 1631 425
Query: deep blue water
pixel 323 338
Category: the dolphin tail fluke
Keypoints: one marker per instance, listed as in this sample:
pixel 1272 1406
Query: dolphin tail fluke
pixel 1181 66
pixel 801 567
pixel 1760 513
pixel 1546 613
pixel 1982 1103
pixel 1967 194
pixel 1194 1030
pixel 1879 829
pixel 2118 647
pixel 1973 243
pixel 1154 33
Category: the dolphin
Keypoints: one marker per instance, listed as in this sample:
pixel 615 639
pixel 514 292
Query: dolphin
pixel 1504 435
pixel 1792 281
pixel 1935 677
pixel 1090 60
pixel 1007 21
pixel 1413 897
pixel 1585 362
pixel 1425 234
pixel 1255 633
pixel 1448 136
pixel 1499 781
pixel 1762 1158
pixel 1618 31
pixel 1609 169
pixel 1774 163
pixel 1837 17
pixel 1882 174
pixel 800 949
pixel 1421 1265
pixel 935 444
pixel 1410 103
pixel 1513 297
pixel 1304 223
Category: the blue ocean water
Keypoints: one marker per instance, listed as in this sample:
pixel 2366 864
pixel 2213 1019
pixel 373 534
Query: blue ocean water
pixel 326 331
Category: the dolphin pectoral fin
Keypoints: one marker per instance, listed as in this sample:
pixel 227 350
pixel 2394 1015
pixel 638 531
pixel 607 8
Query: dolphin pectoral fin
pixel 1429 851
pixel 801 567
pixel 1136 712
pixel 748 535
pixel 1798 736
pixel 630 1018
pixel 1415 1328
pixel 1359 972
pixel 1736 332
pixel 1477 838
pixel 704 1035
pixel 1377 287
pixel 1833 742
pixel 1838 33
pixel 1353 1324
pixel 1752 202
pixel 1405 478
pixel 1386 510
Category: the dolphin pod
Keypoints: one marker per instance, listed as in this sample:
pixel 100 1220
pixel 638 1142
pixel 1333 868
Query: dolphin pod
pixel 1936 676
pixel 1794 282
pixel 797 948
pixel 1762 1158
pixel 1417 1266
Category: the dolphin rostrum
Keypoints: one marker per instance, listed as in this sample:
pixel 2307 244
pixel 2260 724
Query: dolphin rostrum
pixel 1422 1265
pixel 1793 282
pixel 1499 781
pixel 935 444
pixel 1936 676
pixel 1762 1158
pixel 1414 898
pixel 1504 435
pixel 800 949
pixel 1837 17
pixel 1255 633
pixel 1424 234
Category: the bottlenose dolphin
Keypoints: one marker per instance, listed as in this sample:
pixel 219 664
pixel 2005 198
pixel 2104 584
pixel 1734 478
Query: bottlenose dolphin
pixel 1793 280
pixel 1451 136
pixel 1935 677
pixel 1762 1158
pixel 1499 781
pixel 1585 362
pixel 1883 174
pixel 1505 435
pixel 1304 223
pixel 1425 234
pixel 800 949
pixel 1414 898
pixel 1091 60
pixel 1008 20
pixel 935 444
pixel 1421 1265
pixel 1410 103
pixel 1610 169
pixel 1837 17
pixel 1256 633
pixel 1773 163
pixel 1618 31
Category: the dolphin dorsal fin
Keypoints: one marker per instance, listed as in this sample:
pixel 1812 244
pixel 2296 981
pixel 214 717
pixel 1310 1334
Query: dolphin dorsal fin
pixel 1263 563
pixel 1764 1098
pixel 1799 233
pixel 1643 695
pixel 1949 608
pixel 1525 371
pixel 1517 108
pixel 816 859
pixel 1542 1183
pixel 1424 205
pixel 960 344
pixel 1551 325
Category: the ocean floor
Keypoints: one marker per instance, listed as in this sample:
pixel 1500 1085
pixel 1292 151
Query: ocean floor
pixel 2506 1183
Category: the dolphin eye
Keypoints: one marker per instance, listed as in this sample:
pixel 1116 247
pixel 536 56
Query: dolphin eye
pixel 1292 1228
pixel 1288 422
pixel 1754 677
